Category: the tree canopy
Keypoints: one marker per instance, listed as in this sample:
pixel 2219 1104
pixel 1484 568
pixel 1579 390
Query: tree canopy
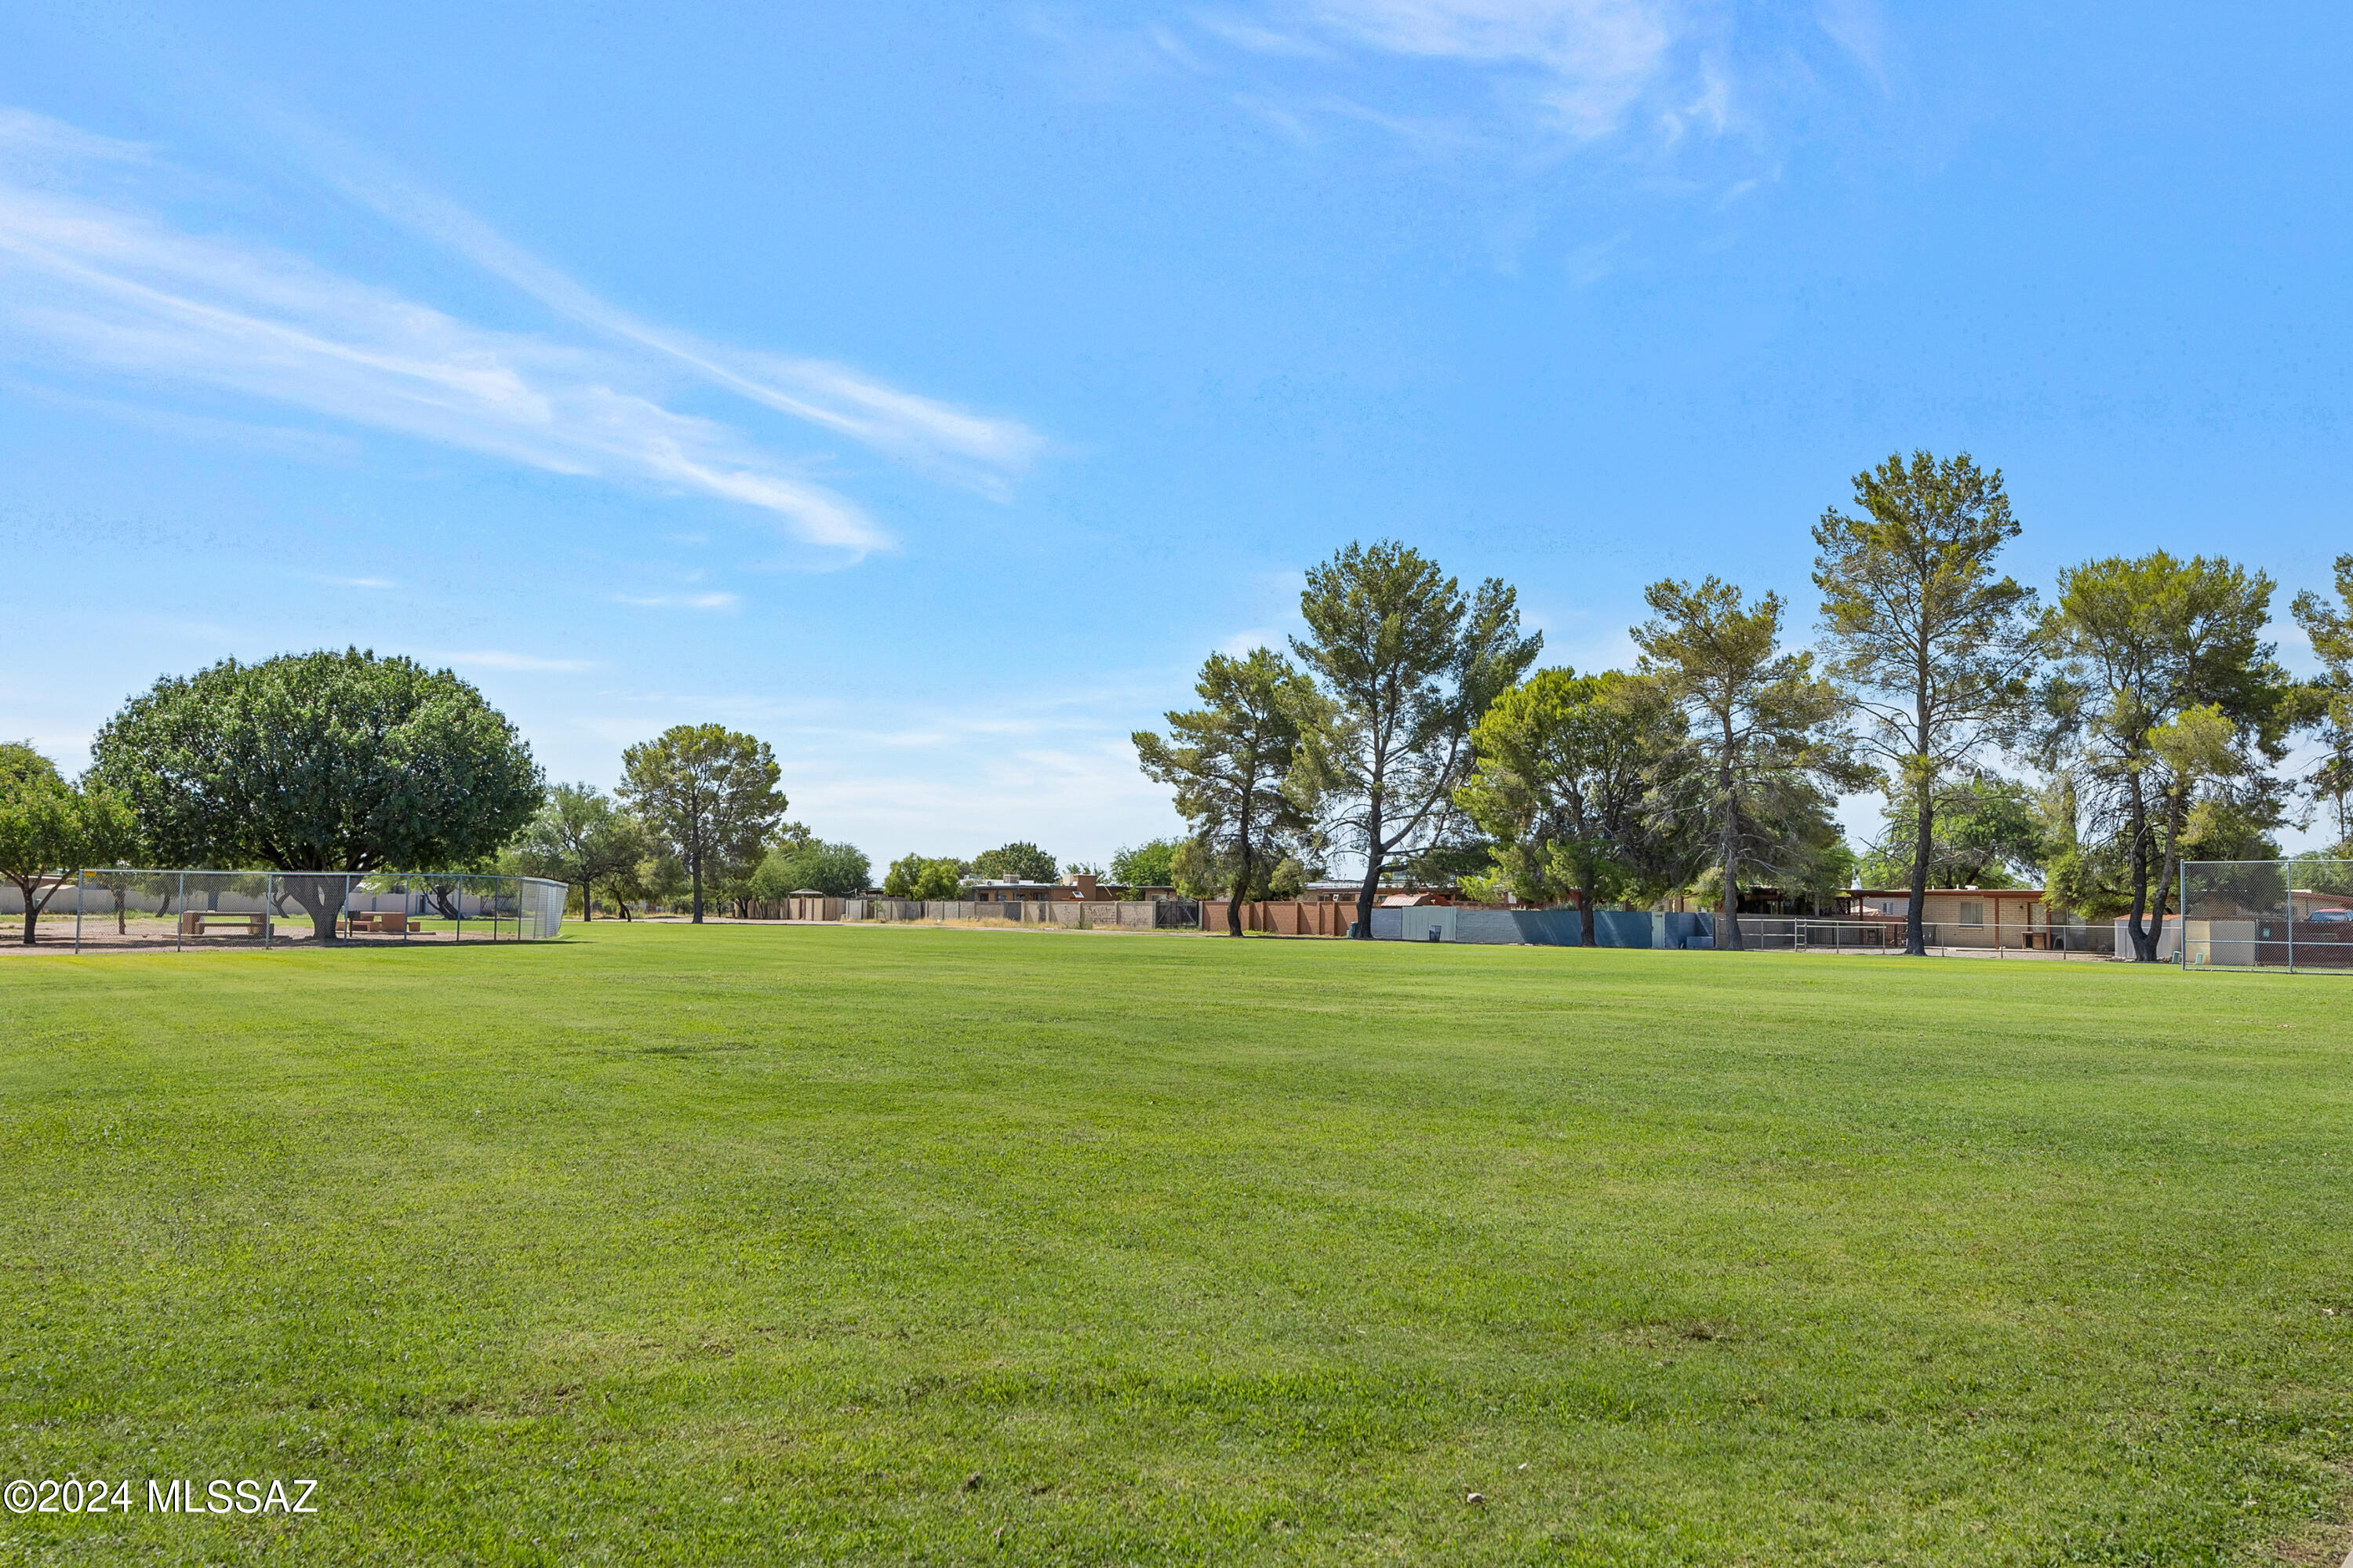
pixel 2166 688
pixel 48 828
pixel 836 870
pixel 319 762
pixel 1148 864
pixel 581 838
pixel 1016 863
pixel 1988 833
pixel 1406 665
pixel 709 795
pixel 1934 652
pixel 1234 763
pixel 924 877
pixel 2330 628
pixel 1762 742
pixel 1564 768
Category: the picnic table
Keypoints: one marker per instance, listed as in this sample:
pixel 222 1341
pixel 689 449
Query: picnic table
pixel 194 921
pixel 385 922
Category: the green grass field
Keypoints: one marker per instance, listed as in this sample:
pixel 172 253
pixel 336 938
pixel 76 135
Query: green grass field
pixel 747 1244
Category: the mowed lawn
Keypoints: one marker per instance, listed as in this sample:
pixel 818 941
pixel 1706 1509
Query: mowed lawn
pixel 750 1245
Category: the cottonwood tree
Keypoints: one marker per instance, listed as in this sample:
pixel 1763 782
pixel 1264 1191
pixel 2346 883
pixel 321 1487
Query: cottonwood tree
pixel 581 838
pixel 1763 739
pixel 2330 628
pixel 709 794
pixel 319 762
pixel 1564 770
pixel 2165 686
pixel 1233 763
pixel 1934 652
pixel 50 829
pixel 1406 665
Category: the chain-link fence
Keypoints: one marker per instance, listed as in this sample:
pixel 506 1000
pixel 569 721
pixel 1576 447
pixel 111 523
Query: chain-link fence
pixel 2289 915
pixel 121 908
pixel 1949 938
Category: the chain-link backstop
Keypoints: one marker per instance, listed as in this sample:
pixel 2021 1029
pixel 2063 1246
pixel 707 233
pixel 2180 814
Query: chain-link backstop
pixel 121 908
pixel 2287 914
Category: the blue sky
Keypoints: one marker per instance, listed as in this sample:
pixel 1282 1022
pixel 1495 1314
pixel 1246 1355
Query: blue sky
pixel 927 389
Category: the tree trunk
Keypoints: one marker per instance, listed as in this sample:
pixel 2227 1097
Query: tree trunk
pixel 322 897
pixel 121 896
pixel 1364 932
pixel 1727 936
pixel 694 869
pixel 1924 844
pixel 32 910
pixel 2177 807
pixel 1241 875
pixel 2144 944
pixel 587 901
pixel 1585 926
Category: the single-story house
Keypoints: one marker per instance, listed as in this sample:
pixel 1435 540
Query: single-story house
pixel 1080 887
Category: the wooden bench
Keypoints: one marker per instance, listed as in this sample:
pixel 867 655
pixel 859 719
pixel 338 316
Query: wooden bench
pixel 194 921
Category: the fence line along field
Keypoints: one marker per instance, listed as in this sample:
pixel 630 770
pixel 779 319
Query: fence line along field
pixel 742 1244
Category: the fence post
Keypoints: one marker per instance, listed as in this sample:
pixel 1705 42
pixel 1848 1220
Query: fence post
pixel 2290 880
pixel 269 881
pixel 82 880
pixel 180 919
pixel 2181 943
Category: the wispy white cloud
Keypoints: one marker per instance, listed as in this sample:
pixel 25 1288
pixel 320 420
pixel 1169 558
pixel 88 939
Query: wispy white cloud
pixel 501 659
pixel 1243 643
pixel 87 278
pixel 1594 58
pixel 1545 75
pixel 23 131
pixel 376 583
pixel 1260 38
pixel 835 397
pixel 679 601
pixel 134 296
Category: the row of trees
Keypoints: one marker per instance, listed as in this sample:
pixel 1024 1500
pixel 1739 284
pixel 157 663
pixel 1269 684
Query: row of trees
pixel 332 762
pixel 345 762
pixel 2139 714
pixel 313 762
pixel 700 812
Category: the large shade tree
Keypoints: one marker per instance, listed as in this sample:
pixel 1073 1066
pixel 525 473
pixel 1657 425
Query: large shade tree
pixel 2330 628
pixel 1407 664
pixel 2166 690
pixel 319 762
pixel 925 877
pixel 580 837
pixel 836 870
pixel 1934 651
pixel 1148 864
pixel 50 829
pixel 1564 768
pixel 1763 741
pixel 708 793
pixel 1232 761
pixel 1022 862
pixel 1990 832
